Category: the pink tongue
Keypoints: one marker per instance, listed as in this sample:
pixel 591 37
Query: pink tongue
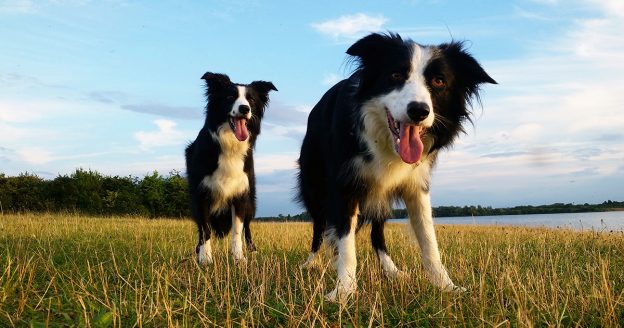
pixel 241 129
pixel 410 145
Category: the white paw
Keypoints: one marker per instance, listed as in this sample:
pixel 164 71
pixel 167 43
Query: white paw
pixel 451 288
pixel 237 251
pixel 204 256
pixel 341 293
pixel 332 296
pixel 397 274
pixel 239 257
pixel 309 262
pixel 204 260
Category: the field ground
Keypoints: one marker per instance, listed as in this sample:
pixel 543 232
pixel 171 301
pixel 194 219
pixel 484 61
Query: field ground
pixel 66 270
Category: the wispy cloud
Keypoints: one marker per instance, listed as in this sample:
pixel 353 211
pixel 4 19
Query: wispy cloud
pixel 166 135
pixel 35 155
pixel 610 7
pixel 555 119
pixel 17 7
pixel 284 114
pixel 178 112
pixel 350 26
pixel 284 120
pixel 270 163
pixel 107 97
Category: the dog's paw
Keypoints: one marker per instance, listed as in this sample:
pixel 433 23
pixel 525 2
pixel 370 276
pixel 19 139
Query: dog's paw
pixel 239 260
pixel 397 274
pixel 309 262
pixel 204 260
pixel 237 254
pixel 251 247
pixel 454 289
pixel 204 256
pixel 339 296
pixel 341 293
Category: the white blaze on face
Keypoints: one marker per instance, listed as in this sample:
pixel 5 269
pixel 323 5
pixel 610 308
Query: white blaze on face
pixel 240 101
pixel 238 120
pixel 414 90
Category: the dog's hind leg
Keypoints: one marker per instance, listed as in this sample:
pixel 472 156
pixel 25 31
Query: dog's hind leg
pixel 318 229
pixel 251 247
pixel 204 248
pixel 379 245
pixel 419 211
pixel 312 194
pixel 343 237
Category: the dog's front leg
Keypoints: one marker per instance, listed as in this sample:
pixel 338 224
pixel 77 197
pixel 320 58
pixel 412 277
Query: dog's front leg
pixel 237 236
pixel 419 211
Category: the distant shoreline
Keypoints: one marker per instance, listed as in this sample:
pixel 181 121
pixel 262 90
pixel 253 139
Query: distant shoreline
pixel 459 211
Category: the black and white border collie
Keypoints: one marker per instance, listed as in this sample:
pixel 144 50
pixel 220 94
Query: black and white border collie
pixel 219 163
pixel 372 140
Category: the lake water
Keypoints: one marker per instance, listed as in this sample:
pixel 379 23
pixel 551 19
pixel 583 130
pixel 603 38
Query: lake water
pixel 597 221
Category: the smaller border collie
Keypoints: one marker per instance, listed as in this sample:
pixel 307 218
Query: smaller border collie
pixel 373 139
pixel 219 163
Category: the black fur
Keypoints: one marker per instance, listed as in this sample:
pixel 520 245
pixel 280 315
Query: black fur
pixel 202 158
pixel 329 187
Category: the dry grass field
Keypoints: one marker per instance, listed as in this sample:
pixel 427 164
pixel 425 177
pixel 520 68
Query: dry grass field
pixel 66 270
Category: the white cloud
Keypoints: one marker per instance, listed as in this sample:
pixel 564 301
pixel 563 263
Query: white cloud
pixel 610 7
pixel 35 155
pixel 23 111
pixel 166 135
pixel 350 26
pixel 270 163
pixel 554 119
pixel 17 7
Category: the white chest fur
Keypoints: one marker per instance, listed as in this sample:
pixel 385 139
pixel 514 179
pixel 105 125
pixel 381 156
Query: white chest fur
pixel 386 173
pixel 229 179
pixel 388 176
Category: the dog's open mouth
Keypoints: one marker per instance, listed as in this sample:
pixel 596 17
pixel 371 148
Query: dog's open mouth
pixel 239 126
pixel 406 139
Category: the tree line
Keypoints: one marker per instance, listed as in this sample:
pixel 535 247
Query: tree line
pixel 89 192
pixel 449 211
pixel 154 195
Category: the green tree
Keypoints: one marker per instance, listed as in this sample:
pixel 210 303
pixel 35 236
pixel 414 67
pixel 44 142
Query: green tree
pixel 176 195
pixel 152 189
pixel 91 194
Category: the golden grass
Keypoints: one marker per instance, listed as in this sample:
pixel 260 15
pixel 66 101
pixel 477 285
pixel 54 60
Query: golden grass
pixel 64 270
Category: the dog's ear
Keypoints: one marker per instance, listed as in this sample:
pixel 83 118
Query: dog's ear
pixel 467 69
pixel 374 45
pixel 263 87
pixel 215 80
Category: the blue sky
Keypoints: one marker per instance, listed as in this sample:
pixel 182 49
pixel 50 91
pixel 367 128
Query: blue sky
pixel 115 86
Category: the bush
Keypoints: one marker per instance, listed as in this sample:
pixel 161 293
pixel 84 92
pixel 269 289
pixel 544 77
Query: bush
pixel 89 192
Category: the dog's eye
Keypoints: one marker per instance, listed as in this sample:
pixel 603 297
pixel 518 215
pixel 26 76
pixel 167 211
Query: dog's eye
pixel 229 97
pixel 397 77
pixel 438 82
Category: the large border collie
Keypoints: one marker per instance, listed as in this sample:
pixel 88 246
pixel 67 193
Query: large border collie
pixel 219 163
pixel 372 140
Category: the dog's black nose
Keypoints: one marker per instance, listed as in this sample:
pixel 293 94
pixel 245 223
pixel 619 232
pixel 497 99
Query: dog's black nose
pixel 244 109
pixel 417 111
